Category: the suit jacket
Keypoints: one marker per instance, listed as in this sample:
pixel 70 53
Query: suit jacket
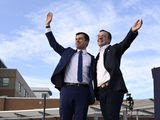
pixel 112 60
pixel 66 54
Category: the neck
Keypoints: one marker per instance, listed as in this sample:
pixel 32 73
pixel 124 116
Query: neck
pixel 103 45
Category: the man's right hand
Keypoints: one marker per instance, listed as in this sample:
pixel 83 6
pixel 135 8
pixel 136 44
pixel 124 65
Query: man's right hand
pixel 49 18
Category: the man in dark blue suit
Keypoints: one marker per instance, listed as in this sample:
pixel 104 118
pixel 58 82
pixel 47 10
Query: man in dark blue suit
pixel 73 75
pixel 109 83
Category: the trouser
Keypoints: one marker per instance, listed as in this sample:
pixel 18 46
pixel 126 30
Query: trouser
pixel 110 103
pixel 74 102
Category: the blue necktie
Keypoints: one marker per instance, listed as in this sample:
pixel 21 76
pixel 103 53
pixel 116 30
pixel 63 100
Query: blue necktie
pixel 80 61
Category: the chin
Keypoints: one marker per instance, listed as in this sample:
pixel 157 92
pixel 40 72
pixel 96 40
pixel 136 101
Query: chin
pixel 100 45
pixel 78 47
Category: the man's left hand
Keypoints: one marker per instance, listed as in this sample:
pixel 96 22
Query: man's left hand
pixel 137 25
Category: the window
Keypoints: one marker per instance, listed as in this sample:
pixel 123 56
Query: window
pixel 19 86
pixel 25 93
pixel 4 82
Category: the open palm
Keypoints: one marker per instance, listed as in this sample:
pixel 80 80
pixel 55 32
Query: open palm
pixel 49 18
pixel 137 25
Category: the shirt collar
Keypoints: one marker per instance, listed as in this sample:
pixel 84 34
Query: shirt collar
pixel 103 47
pixel 84 51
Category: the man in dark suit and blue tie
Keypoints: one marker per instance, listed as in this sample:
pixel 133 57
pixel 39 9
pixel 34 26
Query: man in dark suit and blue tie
pixel 109 83
pixel 73 75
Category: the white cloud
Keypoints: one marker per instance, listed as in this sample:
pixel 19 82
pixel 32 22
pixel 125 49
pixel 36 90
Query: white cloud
pixel 138 76
pixel 24 45
pixel 130 3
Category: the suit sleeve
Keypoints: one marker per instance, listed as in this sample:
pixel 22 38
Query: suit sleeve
pixel 54 44
pixel 125 44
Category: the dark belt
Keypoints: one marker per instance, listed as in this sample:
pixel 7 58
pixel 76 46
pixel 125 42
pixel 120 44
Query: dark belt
pixel 76 84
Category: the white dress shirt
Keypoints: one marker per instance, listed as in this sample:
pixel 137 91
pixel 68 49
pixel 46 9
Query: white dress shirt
pixel 72 68
pixel 48 30
pixel 102 74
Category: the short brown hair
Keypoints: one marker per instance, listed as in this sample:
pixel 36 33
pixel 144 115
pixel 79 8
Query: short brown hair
pixel 85 35
pixel 109 34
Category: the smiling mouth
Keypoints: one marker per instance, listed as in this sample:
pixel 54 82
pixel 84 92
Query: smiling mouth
pixel 99 41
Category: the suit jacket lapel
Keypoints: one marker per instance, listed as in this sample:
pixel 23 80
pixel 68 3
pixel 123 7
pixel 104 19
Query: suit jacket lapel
pixel 106 51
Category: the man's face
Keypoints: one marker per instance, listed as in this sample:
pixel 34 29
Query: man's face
pixel 80 42
pixel 103 39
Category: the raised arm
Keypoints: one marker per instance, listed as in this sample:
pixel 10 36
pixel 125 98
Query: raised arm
pixel 124 45
pixel 52 41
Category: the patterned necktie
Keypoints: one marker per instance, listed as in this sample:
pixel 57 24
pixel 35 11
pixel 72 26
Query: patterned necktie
pixel 80 64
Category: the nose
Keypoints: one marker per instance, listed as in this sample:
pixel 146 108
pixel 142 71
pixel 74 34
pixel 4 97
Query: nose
pixel 99 39
pixel 77 41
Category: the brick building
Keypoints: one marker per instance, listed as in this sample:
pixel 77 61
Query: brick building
pixel 12 84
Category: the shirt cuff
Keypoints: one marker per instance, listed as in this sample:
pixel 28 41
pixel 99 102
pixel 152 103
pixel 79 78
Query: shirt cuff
pixel 48 30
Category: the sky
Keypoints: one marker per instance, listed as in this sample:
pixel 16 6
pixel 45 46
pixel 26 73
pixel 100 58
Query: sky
pixel 24 46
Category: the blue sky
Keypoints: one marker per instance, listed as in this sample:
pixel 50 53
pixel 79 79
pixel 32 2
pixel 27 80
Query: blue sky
pixel 25 47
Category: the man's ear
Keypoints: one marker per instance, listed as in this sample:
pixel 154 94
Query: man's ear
pixel 87 43
pixel 109 41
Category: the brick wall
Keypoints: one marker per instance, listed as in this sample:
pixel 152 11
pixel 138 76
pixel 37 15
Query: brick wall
pixel 10 103
pixel 2 103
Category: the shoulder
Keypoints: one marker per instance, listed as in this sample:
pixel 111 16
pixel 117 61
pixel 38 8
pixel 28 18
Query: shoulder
pixel 113 47
pixel 69 49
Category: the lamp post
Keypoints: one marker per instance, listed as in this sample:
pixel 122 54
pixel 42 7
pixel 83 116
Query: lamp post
pixel 44 107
